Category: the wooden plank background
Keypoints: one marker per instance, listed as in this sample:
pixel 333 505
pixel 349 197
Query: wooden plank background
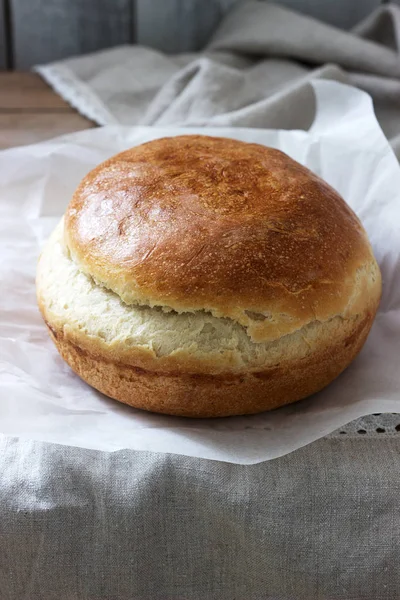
pixel 30 111
pixel 48 30
pixel 178 25
pixel 3 40
pixel 42 31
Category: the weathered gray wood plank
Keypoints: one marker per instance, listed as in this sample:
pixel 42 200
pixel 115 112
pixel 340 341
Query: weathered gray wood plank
pixel 186 25
pixel 44 31
pixel 3 43
pixel 178 25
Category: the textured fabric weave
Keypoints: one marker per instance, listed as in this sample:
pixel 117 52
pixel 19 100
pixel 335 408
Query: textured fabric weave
pixel 81 525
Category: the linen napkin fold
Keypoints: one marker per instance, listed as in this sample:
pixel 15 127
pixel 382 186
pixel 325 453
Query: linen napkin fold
pixel 253 73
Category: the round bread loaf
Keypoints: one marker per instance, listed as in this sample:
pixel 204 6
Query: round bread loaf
pixel 203 276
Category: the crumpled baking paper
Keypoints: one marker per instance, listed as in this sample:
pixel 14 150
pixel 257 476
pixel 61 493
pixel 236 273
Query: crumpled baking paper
pixel 42 399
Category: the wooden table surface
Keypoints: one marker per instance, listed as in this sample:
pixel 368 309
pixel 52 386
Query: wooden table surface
pixel 31 112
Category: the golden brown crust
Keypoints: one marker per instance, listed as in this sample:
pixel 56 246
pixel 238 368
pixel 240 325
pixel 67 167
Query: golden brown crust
pixel 241 230
pixel 196 223
pixel 194 395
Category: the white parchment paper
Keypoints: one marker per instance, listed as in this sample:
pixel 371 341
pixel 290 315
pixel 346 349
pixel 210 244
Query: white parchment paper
pixel 40 397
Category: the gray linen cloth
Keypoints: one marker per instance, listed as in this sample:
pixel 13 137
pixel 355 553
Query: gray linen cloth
pixel 320 523
pixel 253 73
